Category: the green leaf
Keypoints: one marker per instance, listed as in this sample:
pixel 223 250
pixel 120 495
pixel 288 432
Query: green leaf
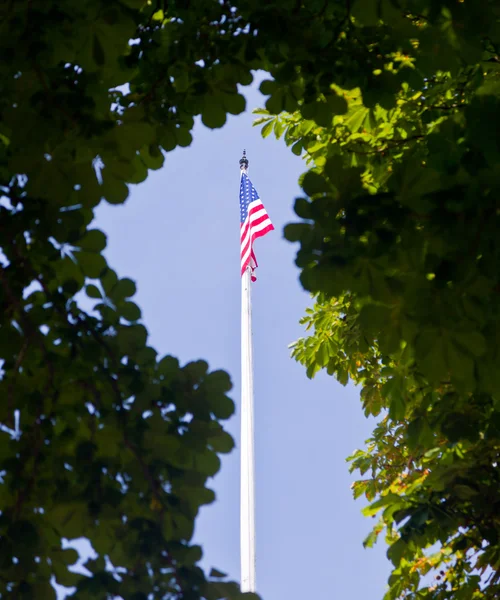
pixel 393 390
pixel 221 406
pixel 93 291
pixel 430 350
pixel 131 339
pixel 297 148
pixel 146 356
pixel 234 104
pixel 152 157
pixel 276 102
pixel 108 280
pixel 464 492
pixel 366 11
pixel 322 114
pixel 374 317
pixel 337 104
pixel 359 488
pixel 322 355
pixel 97 51
pixel 208 463
pixel 135 134
pixel 461 365
pixel 222 442
pixel 389 499
pixel 69 556
pixel 42 590
pixel 109 442
pixel 114 190
pixel 65 577
pixel 23 533
pixel 397 551
pixel 371 539
pixel 69 519
pixel 183 137
pixel 195 370
pixel 124 288
pixel 472 341
pixel 419 433
pixel 94 240
pixel 218 382
pixel 267 87
pixel 213 115
pixel 314 183
pixel 279 128
pixel 267 129
pixel 130 311
pixel 458 427
pixel 356 118
pixel 169 368
pixel 217 574
pixel 92 264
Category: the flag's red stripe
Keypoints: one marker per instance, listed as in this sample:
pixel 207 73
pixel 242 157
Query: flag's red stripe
pixel 256 206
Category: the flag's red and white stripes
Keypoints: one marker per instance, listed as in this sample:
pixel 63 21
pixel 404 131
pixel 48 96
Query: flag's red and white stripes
pixel 256 224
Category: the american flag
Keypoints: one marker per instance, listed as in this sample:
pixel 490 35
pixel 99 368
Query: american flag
pixel 254 221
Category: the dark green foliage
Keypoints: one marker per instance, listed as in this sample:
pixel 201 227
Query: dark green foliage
pixel 115 445
pixel 399 241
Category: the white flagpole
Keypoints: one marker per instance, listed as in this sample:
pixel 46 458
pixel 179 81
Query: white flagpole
pixel 247 474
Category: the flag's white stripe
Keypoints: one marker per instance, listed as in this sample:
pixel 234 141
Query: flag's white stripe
pixel 254 203
pixel 254 230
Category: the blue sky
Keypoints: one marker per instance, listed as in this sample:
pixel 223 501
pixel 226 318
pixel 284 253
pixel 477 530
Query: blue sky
pixel 178 237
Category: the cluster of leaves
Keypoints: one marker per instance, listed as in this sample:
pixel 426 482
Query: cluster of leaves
pixel 100 438
pixel 399 243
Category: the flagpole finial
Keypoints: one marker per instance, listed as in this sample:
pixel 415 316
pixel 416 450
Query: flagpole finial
pixel 244 161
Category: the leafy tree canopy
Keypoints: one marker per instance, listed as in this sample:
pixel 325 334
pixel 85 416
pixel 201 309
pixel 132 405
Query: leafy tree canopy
pixel 112 443
pixel 399 243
